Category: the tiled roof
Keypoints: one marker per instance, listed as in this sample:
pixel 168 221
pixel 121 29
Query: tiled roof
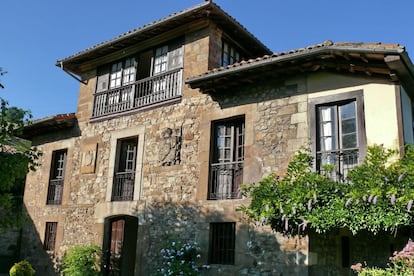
pixel 203 10
pixel 49 124
pixel 370 47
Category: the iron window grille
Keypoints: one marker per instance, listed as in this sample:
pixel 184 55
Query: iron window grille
pixel 222 243
pixel 50 236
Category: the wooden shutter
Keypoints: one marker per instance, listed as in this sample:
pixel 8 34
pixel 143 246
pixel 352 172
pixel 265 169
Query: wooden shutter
pixel 102 82
pixel 175 58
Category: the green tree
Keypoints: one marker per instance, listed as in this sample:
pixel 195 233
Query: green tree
pixel 17 157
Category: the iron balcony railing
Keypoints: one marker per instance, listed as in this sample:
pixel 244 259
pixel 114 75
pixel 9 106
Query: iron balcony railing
pixel 337 163
pixel 144 92
pixel 123 187
pixel 225 180
pixel 55 191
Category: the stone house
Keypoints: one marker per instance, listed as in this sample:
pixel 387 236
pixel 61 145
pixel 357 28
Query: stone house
pixel 174 116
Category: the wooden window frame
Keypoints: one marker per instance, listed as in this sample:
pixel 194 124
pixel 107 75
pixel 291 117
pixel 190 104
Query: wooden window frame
pixel 226 168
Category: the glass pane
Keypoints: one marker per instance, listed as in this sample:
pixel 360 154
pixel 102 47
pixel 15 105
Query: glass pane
pixel 227 155
pixel 327 143
pixel 220 130
pixel 228 142
pixel 347 110
pixel 229 131
pixel 326 113
pixel 348 126
pixel 327 129
pixel 349 141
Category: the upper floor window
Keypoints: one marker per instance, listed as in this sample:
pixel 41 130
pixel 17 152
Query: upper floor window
pixel 124 178
pixel 340 136
pixel 56 179
pixel 160 60
pixel 222 243
pixel 147 78
pixel 229 54
pixel 226 169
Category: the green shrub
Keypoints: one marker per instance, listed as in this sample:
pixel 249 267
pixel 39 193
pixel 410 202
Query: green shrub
pixel 22 268
pixel 82 260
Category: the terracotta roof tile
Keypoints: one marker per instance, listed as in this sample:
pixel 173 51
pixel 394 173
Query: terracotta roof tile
pixel 325 44
pixel 204 5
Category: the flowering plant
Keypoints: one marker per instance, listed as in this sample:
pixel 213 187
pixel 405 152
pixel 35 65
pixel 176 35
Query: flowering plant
pixel 180 259
pixel 401 264
pixel 378 195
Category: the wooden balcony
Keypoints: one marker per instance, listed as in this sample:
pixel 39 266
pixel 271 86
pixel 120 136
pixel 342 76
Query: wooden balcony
pixel 142 93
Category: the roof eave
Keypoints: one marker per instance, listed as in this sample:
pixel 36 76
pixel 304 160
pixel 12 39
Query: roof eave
pixel 70 63
pixel 195 82
pixel 47 124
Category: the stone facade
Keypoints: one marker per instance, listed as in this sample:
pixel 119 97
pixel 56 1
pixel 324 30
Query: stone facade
pixel 172 173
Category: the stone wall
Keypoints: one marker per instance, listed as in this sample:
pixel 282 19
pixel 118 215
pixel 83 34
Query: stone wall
pixel 172 199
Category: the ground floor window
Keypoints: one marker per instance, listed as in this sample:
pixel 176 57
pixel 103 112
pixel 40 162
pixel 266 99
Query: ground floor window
pixel 222 242
pixel 50 236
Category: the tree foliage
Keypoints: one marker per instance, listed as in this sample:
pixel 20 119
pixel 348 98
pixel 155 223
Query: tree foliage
pixel 377 196
pixel 17 157
pixel 82 260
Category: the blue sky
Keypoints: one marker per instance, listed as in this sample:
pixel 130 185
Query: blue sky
pixel 34 34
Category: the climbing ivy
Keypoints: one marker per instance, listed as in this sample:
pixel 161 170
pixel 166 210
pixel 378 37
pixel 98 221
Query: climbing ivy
pixel 377 196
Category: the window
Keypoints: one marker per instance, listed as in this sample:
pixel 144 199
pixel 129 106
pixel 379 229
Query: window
pixel 229 54
pixel 222 242
pixel 340 137
pixel 124 178
pixel 160 60
pixel 226 169
pixel 57 174
pixel 120 73
pixel 50 236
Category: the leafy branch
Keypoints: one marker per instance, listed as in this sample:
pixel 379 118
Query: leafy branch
pixel 378 196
